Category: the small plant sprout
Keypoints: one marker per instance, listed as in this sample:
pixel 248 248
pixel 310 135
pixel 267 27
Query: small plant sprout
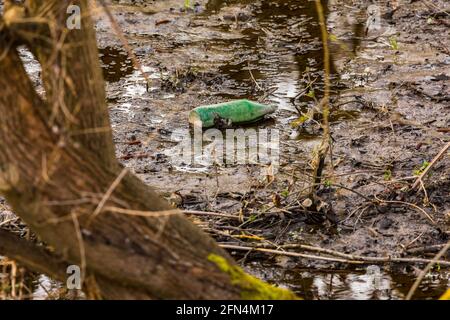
pixel 301 120
pixel 311 94
pixel 393 43
pixel 285 193
pixel 187 4
pixel 387 175
pixel 419 171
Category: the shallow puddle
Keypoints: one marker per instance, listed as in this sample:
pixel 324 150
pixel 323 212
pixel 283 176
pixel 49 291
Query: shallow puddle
pixel 115 64
pixel 276 56
pixel 278 51
pixel 287 62
pixel 372 283
pixel 265 57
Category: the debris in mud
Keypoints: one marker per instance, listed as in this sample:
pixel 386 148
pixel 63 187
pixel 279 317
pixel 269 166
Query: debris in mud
pixel 390 116
pixel 229 113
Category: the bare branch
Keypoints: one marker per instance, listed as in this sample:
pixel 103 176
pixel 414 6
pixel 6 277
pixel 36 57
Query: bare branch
pixel 32 256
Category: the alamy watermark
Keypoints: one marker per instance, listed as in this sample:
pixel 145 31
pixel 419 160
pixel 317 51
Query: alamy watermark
pixel 74 17
pixel 228 147
pixel 74 279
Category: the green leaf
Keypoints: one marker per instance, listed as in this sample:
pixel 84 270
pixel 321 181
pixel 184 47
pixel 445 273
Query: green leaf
pixel 333 37
pixel 393 42
pixel 311 94
pixel 419 171
pixel 285 193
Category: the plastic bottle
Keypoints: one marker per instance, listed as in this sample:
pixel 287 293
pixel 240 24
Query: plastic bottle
pixel 228 113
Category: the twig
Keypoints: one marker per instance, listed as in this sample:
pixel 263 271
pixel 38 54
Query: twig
pixel 108 194
pixel 253 78
pixel 289 254
pixel 350 259
pixel 436 159
pixel 214 214
pixel 427 268
pixel 409 204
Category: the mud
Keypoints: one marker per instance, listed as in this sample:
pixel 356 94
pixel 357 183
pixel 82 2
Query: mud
pixel 390 106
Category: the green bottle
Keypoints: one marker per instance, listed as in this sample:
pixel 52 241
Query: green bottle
pixel 228 113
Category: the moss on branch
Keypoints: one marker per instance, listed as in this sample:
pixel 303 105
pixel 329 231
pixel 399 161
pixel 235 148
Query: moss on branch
pixel 251 287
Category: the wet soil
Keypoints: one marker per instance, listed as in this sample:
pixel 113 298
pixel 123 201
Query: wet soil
pixel 390 112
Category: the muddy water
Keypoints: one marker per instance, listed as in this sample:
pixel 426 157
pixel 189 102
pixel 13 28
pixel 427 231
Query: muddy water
pixel 369 283
pixel 115 63
pixel 280 46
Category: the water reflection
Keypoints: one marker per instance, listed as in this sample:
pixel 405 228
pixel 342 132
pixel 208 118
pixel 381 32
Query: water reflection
pixel 46 288
pixel 373 283
pixel 346 32
pixel 115 64
pixel 280 44
pixel 281 47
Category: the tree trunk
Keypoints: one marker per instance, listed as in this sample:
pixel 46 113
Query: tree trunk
pixel 59 173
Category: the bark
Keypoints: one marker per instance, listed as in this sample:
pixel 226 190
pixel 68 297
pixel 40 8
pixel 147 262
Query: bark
pixel 33 257
pixel 59 173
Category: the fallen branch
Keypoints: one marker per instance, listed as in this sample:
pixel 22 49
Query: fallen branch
pixel 428 168
pixel 214 214
pixel 31 256
pixel 344 258
pixel 289 254
pixel 424 249
pixel 430 264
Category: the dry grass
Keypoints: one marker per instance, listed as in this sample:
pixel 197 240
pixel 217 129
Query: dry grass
pixel 13 281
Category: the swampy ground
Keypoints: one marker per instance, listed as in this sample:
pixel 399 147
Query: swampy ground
pixel 390 117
